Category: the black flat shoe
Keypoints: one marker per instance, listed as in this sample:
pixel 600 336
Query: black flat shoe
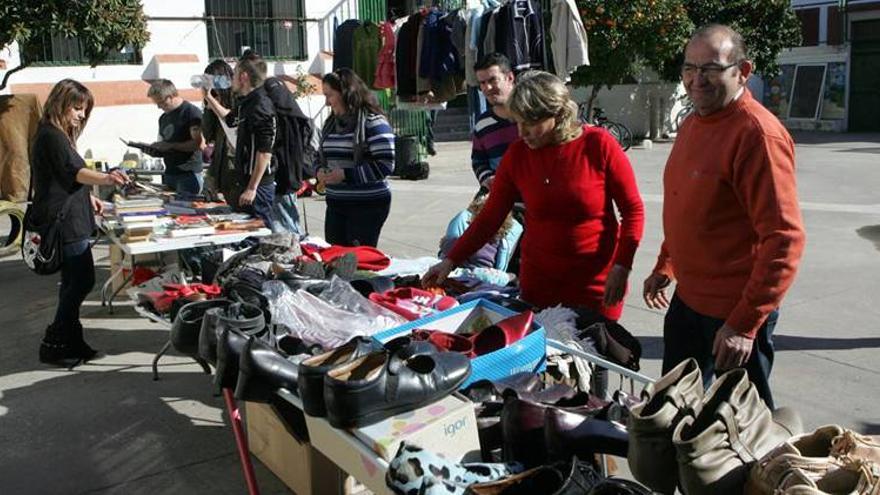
pixel 310 381
pixel 382 384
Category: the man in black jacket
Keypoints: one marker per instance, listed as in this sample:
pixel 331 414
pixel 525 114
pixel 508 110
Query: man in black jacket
pixel 255 123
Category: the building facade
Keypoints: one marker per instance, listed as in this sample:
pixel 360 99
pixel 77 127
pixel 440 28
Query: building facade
pixel 832 81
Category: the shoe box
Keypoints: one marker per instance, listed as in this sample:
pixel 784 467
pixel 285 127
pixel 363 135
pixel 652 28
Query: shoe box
pixel 447 427
pixel 295 462
pixel 528 354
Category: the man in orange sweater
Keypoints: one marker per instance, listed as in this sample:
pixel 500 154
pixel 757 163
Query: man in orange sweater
pixel 732 224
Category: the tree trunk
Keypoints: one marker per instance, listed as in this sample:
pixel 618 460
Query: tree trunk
pixel 9 73
pixel 592 98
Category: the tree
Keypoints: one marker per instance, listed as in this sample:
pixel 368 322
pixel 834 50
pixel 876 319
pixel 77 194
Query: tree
pixel 626 36
pixel 101 26
pixel 767 26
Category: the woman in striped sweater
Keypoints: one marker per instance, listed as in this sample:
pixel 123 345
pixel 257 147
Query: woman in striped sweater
pixel 356 154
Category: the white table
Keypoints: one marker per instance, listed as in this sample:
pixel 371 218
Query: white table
pixel 161 245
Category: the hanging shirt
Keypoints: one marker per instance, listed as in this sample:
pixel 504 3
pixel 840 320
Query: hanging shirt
pixel 569 44
pixel 385 71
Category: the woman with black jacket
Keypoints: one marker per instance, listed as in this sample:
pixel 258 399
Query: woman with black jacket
pixel 60 178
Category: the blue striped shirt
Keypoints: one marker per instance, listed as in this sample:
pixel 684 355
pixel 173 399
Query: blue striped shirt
pixel 364 181
pixel 492 136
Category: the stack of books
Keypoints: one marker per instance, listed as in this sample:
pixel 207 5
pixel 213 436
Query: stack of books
pixel 137 216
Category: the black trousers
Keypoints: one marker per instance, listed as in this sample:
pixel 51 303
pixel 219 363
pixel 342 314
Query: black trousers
pixel 355 223
pixel 687 334
pixel 77 280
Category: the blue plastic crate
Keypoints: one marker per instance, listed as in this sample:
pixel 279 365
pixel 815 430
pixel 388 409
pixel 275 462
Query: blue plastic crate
pixel 527 354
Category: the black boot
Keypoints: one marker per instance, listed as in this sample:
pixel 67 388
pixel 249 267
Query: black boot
pixel 79 344
pixel 56 347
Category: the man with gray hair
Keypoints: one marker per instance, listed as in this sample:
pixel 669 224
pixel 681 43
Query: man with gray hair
pixel 733 229
pixel 180 138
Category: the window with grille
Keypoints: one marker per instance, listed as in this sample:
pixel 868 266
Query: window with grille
pixel 272 28
pixel 62 50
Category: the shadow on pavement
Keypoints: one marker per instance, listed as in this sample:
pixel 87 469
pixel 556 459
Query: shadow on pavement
pixel 797 343
pixel 871 233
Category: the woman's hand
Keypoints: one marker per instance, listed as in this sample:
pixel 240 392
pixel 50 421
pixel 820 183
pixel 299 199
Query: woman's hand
pixel 436 275
pixel 116 177
pixel 615 285
pixel 97 205
pixel 331 176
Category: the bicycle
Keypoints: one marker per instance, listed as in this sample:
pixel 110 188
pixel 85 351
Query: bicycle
pixel 620 131
pixel 682 114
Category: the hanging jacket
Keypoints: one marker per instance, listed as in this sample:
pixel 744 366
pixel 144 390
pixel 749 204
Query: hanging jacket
pixel 367 43
pixel 522 35
pixel 569 43
pixel 407 56
pixel 385 71
pixel 343 44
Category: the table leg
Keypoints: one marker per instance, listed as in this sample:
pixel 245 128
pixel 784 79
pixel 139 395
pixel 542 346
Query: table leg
pixel 156 359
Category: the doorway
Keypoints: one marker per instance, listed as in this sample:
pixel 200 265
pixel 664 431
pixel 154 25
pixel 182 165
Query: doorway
pixel 864 93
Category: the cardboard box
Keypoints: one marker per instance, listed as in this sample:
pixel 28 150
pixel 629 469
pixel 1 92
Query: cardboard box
pixel 528 354
pixel 452 435
pixel 302 468
pixel 447 427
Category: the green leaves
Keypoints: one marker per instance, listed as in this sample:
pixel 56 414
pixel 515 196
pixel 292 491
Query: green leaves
pixel 102 26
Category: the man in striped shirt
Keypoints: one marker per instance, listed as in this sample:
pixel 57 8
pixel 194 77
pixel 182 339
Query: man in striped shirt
pixel 493 131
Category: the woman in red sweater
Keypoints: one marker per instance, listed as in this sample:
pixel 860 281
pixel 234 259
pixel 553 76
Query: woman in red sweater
pixel 570 177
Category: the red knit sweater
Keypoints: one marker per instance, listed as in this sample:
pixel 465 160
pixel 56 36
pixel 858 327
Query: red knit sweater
pixel 733 227
pixel 572 236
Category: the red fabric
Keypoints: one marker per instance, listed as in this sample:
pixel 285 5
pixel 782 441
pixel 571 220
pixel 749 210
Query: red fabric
pixel 412 303
pixel 733 229
pixel 369 258
pixel 572 235
pixel 386 69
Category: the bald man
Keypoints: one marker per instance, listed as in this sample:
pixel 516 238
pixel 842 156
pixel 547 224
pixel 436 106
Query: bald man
pixel 733 233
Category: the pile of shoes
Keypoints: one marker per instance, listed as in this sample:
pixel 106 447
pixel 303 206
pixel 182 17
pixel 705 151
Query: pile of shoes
pixel 703 442
pixel 526 421
pixel 363 382
pixel 416 470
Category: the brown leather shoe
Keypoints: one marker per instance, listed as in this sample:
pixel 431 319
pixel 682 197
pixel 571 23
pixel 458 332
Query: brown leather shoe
pixel 807 455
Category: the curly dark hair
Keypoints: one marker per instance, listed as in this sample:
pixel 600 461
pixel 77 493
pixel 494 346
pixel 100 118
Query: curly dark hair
pixel 355 93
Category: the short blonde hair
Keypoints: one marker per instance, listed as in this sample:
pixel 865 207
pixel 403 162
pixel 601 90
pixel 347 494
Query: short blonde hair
pixel 540 95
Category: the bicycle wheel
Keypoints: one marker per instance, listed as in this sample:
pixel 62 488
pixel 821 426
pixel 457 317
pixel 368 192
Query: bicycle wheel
pixel 617 131
pixel 626 137
pixel 584 113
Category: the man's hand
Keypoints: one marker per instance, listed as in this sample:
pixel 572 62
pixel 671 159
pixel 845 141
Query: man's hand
pixel 436 275
pixel 116 177
pixel 97 205
pixel 731 348
pixel 615 285
pixel 331 176
pixel 654 291
pixel 161 146
pixel 247 197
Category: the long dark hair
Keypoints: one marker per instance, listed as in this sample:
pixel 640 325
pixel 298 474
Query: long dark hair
pixel 64 96
pixel 355 93
pixel 219 67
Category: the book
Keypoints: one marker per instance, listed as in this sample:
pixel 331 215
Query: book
pixel 191 231
pixel 129 218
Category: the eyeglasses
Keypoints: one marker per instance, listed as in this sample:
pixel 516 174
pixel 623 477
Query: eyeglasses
pixel 710 71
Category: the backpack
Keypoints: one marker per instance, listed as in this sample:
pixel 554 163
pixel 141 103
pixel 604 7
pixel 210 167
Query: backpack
pixel 295 148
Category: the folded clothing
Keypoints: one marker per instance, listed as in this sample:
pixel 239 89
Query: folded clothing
pixel 163 300
pixel 368 257
pixel 413 303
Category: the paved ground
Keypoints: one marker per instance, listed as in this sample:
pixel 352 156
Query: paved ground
pixel 108 428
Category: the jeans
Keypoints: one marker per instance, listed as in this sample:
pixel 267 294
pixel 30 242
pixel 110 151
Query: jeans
pixel 263 205
pixel 286 214
pixel 687 334
pixel 184 183
pixel 355 223
pixel 77 280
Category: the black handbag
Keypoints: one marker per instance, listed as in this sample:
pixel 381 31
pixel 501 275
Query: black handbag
pixel 42 246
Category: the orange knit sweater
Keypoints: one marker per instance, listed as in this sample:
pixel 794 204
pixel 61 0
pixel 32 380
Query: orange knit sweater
pixel 732 224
